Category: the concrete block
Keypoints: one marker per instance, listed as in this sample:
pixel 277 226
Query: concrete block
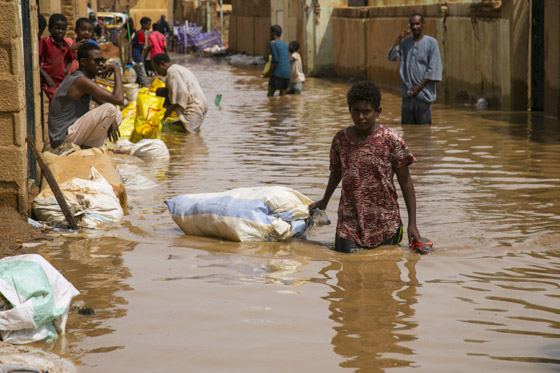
pixel 13 167
pixel 9 195
pixel 381 34
pixel 349 53
pixel 10 26
pixel 7 129
pixel 232 34
pixel 5 60
pixel 13 101
pixel 459 9
pixel 261 36
pixel 246 38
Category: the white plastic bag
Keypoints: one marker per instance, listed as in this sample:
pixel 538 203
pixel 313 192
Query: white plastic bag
pixel 91 201
pixel 244 214
pixel 39 299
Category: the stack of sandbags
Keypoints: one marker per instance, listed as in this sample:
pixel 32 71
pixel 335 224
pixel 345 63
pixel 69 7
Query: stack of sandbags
pixel 78 163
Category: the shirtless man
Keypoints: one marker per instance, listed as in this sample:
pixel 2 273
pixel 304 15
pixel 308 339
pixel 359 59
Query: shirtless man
pixel 70 117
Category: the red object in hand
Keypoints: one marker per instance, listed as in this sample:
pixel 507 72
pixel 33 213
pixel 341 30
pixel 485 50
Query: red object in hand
pixel 424 247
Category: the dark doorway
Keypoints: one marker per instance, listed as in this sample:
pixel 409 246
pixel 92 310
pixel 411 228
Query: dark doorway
pixel 537 55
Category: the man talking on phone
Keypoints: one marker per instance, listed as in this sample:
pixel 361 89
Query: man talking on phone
pixel 420 69
pixel 70 117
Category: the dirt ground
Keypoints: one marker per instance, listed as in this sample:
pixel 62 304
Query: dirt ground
pixel 14 231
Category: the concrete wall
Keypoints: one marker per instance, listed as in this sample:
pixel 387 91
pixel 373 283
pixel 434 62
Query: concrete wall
pixel 13 121
pixel 249 28
pixel 152 9
pixel 484 48
pixel 552 59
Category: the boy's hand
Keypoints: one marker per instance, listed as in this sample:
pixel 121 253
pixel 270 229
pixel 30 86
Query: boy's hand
pixel 321 205
pixel 77 44
pixel 413 233
pixel 113 133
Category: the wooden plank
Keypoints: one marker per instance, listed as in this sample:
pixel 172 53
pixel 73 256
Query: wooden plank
pixel 53 184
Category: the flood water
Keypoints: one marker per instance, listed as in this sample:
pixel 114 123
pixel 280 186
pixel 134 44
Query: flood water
pixel 488 298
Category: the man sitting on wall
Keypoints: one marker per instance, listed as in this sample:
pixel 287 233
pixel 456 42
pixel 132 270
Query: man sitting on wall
pixel 70 117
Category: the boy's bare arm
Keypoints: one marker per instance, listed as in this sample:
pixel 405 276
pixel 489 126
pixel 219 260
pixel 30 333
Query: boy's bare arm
pixel 407 188
pixel 47 78
pixel 85 86
pixel 334 180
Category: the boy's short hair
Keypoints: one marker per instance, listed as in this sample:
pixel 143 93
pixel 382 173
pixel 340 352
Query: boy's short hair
pixel 56 18
pixel 85 49
pixel 294 46
pixel 160 58
pixel 276 30
pixel 145 20
pixel 155 27
pixel 417 14
pixel 364 90
pixel 83 20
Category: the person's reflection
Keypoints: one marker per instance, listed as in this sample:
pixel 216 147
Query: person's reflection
pixel 372 307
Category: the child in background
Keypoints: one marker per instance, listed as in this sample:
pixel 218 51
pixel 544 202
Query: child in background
pixel 137 51
pixel 296 69
pixel 279 72
pixel 156 44
pixel 84 32
pixel 55 55
pixel 366 156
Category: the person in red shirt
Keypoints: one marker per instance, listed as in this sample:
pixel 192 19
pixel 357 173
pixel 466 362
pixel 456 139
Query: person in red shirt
pixel 156 42
pixel 366 157
pixel 55 55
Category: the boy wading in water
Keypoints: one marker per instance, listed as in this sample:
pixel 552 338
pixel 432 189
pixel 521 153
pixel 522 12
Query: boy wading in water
pixel 365 157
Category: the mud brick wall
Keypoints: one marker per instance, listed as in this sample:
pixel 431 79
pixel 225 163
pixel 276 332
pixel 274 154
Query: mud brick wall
pixel 13 124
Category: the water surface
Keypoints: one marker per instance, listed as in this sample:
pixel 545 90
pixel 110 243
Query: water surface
pixel 488 298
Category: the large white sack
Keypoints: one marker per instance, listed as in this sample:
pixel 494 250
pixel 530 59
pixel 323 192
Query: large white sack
pixel 246 214
pixel 91 201
pixel 39 297
pixel 145 149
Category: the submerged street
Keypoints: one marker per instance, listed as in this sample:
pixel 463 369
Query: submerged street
pixel 487 188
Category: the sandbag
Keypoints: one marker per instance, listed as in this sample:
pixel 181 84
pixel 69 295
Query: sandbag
pixel 149 114
pixel 129 118
pixel 36 299
pixel 246 214
pixel 91 201
pixel 78 163
pixel 147 149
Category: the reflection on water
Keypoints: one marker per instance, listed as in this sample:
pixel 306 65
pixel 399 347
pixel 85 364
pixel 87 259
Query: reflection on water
pixel 487 185
pixel 372 305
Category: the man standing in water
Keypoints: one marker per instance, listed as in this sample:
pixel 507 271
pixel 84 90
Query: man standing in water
pixel 184 92
pixel 420 69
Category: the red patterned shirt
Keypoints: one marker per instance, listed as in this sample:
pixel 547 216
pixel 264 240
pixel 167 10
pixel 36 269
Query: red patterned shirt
pixel 368 213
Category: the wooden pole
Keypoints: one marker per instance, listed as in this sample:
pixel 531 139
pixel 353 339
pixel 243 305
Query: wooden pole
pixel 53 184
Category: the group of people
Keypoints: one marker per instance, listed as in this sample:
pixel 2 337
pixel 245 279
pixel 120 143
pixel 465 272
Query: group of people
pixel 68 68
pixel 286 69
pixel 364 157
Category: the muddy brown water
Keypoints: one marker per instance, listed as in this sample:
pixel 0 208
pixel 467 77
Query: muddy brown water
pixel 488 298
